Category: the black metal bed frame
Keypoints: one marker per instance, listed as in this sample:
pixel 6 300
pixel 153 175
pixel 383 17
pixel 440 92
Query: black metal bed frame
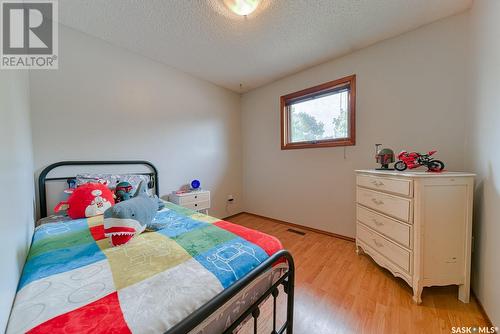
pixel 42 178
pixel 287 279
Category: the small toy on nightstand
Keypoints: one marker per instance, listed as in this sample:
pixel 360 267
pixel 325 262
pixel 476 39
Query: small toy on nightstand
pixel 384 157
pixel 195 185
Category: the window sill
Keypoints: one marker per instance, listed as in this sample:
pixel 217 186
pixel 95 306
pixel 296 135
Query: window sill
pixel 319 144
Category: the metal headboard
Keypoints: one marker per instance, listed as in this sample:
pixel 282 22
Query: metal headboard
pixel 42 179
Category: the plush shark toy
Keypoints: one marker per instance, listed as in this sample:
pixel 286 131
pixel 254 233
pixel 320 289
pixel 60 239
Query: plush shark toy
pixel 131 217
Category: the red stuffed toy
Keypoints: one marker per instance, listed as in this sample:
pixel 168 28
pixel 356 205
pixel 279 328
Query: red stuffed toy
pixel 87 200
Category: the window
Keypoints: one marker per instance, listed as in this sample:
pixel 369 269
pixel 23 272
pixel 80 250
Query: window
pixel 320 116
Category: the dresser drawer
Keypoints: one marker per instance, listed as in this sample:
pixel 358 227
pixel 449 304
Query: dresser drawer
pixel 396 254
pixel 191 198
pixel 393 229
pixel 197 205
pixel 397 207
pixel 396 186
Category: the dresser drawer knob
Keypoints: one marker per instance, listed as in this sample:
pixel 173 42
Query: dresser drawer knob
pixel 196 196
pixel 377 183
pixel 376 201
pixel 376 222
pixel 196 205
pixel 378 244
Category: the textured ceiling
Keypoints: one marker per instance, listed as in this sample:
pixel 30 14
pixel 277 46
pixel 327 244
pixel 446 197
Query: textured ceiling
pixel 205 39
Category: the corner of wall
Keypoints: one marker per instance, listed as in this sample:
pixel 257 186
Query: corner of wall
pixel 481 146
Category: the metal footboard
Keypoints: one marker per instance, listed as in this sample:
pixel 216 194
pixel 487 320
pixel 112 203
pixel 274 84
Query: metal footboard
pixel 287 280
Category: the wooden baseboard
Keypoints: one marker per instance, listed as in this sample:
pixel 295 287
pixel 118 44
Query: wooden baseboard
pixel 481 309
pixel 235 215
pixel 307 228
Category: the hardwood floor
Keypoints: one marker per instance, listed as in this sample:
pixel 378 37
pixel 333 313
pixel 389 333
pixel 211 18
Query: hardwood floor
pixel 338 291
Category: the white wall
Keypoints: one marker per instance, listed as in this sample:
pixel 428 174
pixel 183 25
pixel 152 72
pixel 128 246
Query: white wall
pixel 410 94
pixel 16 178
pixel 483 152
pixel 107 103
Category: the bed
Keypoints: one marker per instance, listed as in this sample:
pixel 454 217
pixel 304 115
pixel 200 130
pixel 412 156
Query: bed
pixel 197 274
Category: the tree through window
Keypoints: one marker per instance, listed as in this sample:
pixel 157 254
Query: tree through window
pixel 320 116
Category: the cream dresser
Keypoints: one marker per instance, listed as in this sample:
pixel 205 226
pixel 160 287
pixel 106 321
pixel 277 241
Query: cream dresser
pixel 418 225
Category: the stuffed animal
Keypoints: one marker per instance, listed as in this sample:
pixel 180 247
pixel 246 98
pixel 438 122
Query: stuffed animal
pixel 123 191
pixel 130 218
pixel 87 200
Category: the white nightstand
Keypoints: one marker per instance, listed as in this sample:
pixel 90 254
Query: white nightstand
pixel 195 200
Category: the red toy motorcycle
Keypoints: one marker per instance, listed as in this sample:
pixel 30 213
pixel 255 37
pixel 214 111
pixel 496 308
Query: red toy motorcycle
pixel 413 160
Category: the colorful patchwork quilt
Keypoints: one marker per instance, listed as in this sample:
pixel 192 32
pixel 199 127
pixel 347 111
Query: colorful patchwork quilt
pixel 75 282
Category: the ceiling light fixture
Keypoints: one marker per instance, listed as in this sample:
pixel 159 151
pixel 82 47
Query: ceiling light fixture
pixel 242 7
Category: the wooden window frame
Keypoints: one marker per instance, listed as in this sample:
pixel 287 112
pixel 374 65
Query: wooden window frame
pixel 286 143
